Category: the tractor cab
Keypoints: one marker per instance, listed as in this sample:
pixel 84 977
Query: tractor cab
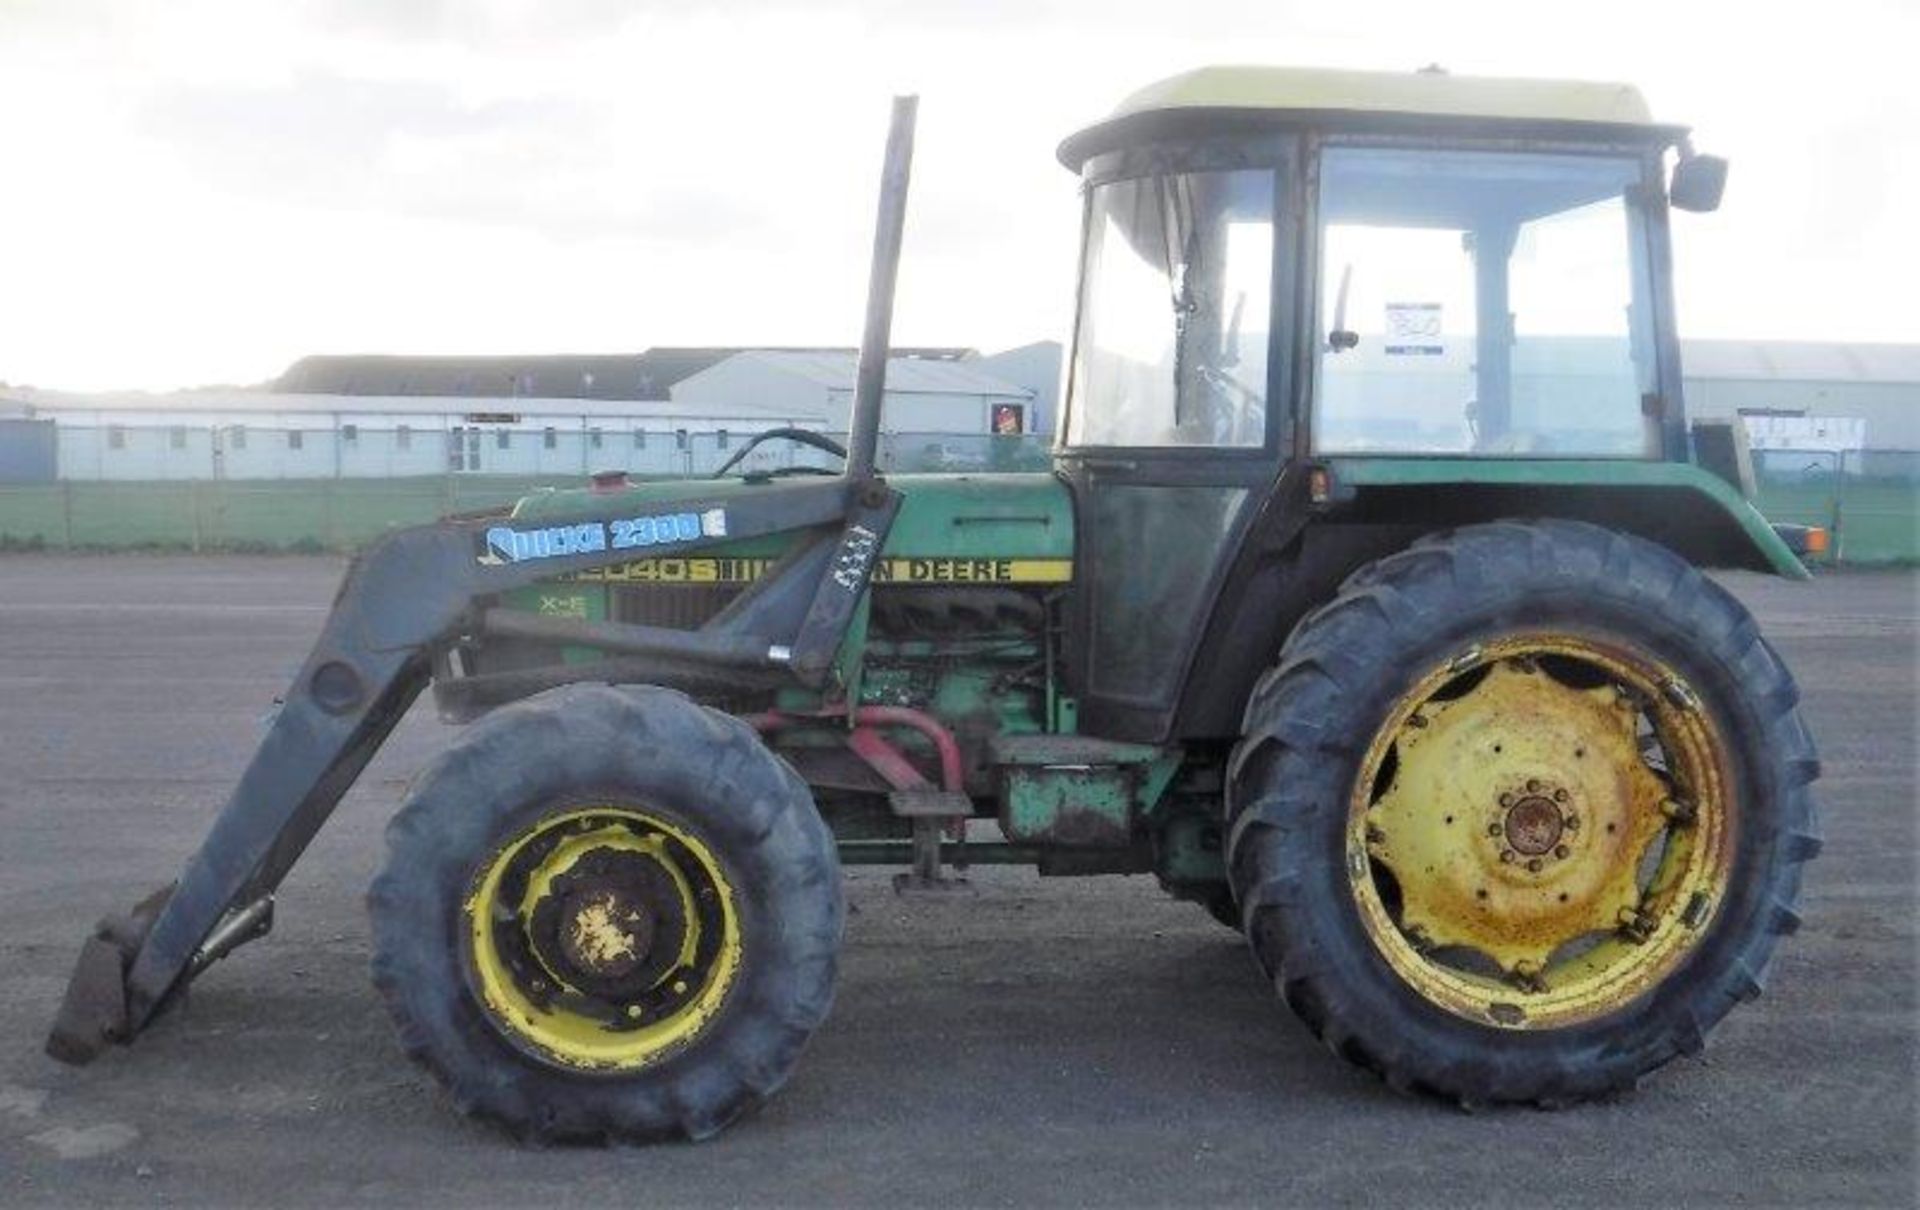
pixel 1283 266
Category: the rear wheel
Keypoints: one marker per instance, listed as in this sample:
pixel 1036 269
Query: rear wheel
pixel 1520 814
pixel 608 913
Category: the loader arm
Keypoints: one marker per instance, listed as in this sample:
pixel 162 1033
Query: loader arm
pixel 404 601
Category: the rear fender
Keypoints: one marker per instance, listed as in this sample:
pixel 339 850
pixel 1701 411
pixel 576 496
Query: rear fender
pixel 1376 506
pixel 1689 510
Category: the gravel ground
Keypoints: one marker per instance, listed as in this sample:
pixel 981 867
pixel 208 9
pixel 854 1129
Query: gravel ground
pixel 1044 1041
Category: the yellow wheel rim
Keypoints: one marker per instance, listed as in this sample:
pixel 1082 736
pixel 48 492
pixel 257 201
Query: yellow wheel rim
pixel 1540 830
pixel 603 937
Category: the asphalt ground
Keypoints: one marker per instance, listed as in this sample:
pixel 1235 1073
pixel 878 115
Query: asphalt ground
pixel 1044 1041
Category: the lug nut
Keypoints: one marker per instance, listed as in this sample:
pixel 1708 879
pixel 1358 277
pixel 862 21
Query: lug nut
pixel 1533 785
pixel 1494 829
pixel 1678 811
pixel 1572 823
pixel 1559 796
pixel 1506 800
pixel 1637 924
pixel 1534 865
pixel 1561 851
pixel 1508 856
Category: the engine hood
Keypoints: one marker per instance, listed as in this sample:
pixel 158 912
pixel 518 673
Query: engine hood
pixel 975 519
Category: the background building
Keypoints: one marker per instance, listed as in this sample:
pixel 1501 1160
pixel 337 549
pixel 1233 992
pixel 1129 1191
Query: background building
pixel 1035 367
pixel 238 434
pixel 1876 383
pixel 647 376
pixel 354 417
pixel 935 397
pixel 685 410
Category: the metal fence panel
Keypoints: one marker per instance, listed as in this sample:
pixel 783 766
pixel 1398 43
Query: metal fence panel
pixel 1869 499
pixel 250 488
pixel 34 515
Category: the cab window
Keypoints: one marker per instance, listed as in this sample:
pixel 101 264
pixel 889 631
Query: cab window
pixel 1172 342
pixel 1483 303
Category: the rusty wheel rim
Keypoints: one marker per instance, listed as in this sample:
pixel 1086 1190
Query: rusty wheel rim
pixel 1539 833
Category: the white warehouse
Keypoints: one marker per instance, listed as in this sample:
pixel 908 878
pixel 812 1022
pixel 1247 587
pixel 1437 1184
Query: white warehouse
pixel 265 435
pixel 663 412
pixel 923 395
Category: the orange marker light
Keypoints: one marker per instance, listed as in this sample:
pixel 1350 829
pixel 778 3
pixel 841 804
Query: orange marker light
pixel 1319 485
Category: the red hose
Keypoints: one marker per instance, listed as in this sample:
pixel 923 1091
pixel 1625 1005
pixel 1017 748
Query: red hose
pixel 952 774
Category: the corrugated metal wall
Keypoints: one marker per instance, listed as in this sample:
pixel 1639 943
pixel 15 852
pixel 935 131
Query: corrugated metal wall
pixel 28 451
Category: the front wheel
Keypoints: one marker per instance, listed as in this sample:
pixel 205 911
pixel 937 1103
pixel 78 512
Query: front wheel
pixel 1520 814
pixel 608 913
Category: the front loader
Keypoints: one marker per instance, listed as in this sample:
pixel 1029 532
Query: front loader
pixel 1362 606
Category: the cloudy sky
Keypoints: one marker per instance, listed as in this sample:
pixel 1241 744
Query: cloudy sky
pixel 202 190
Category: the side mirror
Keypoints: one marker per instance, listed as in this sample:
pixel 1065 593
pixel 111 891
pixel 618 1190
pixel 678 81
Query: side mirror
pixel 1697 183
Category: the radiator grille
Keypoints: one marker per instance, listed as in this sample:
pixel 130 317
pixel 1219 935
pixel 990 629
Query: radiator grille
pixel 678 606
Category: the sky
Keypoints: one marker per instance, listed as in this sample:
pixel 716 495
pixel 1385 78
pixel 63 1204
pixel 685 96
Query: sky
pixel 201 191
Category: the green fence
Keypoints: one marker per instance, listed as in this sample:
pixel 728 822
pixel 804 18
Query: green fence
pixel 263 514
pixel 1871 501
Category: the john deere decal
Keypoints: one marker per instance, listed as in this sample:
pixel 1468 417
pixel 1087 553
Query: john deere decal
pixel 709 569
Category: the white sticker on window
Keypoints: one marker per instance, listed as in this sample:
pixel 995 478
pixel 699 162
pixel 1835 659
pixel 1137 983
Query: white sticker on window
pixel 1413 330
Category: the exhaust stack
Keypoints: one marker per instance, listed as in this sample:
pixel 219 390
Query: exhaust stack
pixel 870 383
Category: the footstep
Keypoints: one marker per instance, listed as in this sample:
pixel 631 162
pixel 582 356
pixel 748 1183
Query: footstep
pixel 85 1142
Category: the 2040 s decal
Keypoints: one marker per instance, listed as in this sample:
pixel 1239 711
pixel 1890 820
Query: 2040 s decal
pixel 506 544
pixel 741 569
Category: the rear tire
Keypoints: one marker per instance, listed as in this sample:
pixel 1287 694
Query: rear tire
pixel 1309 771
pixel 736 844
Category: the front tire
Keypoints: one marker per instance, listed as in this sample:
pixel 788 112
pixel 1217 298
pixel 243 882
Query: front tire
pixel 608 913
pixel 1520 814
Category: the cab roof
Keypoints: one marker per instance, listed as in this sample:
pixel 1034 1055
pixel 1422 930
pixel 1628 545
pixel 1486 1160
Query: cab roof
pixel 1248 97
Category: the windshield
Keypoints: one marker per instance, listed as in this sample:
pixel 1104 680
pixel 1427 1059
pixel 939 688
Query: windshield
pixel 1172 340
pixel 1481 302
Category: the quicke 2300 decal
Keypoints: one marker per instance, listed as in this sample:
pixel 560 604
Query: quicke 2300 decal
pixel 506 544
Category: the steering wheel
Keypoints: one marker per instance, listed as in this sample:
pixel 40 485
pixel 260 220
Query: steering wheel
pixel 797 436
pixel 1249 406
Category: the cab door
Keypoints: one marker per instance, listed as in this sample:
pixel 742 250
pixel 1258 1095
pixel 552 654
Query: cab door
pixel 1173 433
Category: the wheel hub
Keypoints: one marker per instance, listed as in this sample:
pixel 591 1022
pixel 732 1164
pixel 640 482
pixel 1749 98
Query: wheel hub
pixel 1533 826
pixel 1515 844
pixel 611 922
pixel 606 933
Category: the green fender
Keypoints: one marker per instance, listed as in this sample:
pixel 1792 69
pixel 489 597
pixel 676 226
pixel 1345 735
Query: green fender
pixel 1680 505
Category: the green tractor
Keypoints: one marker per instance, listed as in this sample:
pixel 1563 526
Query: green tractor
pixel 1362 606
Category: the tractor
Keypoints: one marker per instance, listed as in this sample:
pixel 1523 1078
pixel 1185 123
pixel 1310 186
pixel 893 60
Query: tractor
pixel 1362 605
